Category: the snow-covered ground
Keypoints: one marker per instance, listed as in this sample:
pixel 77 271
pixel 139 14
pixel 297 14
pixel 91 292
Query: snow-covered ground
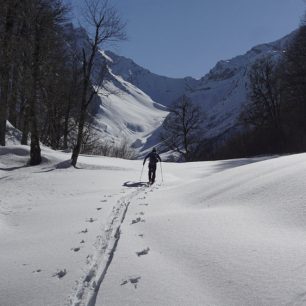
pixel 213 233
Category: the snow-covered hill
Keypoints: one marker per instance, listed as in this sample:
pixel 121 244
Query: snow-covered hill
pixel 222 93
pixel 124 112
pixel 214 233
pixel 161 89
pixel 121 111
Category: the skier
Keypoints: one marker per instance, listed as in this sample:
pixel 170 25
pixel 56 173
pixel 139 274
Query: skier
pixel 153 160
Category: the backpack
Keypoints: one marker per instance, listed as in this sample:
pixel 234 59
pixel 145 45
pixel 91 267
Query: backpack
pixel 153 159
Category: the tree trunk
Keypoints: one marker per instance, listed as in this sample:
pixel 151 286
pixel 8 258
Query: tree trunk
pixel 35 155
pixel 4 92
pixel 12 116
pixel 24 124
pixel 3 117
pixel 66 124
pixel 77 148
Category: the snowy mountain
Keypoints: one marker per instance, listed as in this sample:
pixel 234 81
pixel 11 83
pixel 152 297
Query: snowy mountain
pixel 121 111
pixel 161 89
pixel 134 101
pixel 222 93
pixel 125 112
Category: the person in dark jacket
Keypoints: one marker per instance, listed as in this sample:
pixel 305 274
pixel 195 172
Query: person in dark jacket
pixel 153 160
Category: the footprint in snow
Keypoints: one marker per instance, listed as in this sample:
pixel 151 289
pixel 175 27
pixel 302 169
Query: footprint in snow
pixel 83 241
pixel 141 213
pixel 37 271
pixel 143 204
pixel 143 252
pixel 133 280
pixel 103 201
pixel 89 258
pixel 76 249
pixel 84 231
pixel 60 273
pixel 137 220
pixel 98 208
pixel 90 220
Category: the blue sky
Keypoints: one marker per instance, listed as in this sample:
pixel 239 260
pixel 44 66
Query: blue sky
pixel 181 38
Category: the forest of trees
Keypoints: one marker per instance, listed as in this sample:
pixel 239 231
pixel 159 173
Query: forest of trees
pixel 47 75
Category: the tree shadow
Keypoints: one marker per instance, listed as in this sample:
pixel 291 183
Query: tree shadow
pixel 134 184
pixel 234 163
pixel 13 168
pixel 61 165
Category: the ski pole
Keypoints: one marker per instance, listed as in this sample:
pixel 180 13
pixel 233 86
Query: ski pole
pixel 161 171
pixel 141 173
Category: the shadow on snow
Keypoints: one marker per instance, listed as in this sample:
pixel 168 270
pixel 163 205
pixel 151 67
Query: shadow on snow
pixel 134 184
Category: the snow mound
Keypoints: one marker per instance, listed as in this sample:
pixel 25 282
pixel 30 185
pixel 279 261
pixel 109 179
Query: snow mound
pixel 13 135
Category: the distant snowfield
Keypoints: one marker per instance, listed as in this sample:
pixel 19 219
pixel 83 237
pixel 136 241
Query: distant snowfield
pixel 125 112
pixel 213 233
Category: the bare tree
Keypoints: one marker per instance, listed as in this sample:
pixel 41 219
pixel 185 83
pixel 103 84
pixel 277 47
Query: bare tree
pixel 264 109
pixel 294 67
pixel 107 26
pixel 182 130
pixel 44 18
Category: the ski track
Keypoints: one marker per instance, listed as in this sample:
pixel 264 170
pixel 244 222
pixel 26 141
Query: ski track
pixel 89 285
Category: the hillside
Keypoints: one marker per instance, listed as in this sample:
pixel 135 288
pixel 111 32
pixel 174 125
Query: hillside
pixel 222 93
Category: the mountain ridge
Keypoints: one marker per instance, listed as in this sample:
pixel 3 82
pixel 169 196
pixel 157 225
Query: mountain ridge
pixel 222 92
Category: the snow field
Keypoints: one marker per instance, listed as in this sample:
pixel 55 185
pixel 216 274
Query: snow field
pixel 219 233
pixel 53 220
pixel 214 233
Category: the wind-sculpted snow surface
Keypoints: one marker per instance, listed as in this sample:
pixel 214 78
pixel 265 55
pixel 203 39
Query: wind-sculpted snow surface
pixel 214 233
pixel 218 233
pixel 58 224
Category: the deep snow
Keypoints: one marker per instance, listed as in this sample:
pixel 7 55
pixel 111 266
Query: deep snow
pixel 213 233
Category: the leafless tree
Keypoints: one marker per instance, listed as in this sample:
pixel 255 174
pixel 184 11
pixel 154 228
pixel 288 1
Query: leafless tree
pixel 182 131
pixel 44 16
pixel 264 109
pixel 106 26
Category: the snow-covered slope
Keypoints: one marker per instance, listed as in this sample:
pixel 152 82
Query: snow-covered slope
pixel 222 93
pixel 124 112
pixel 224 90
pixel 161 89
pixel 217 233
pixel 214 233
pixel 13 136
